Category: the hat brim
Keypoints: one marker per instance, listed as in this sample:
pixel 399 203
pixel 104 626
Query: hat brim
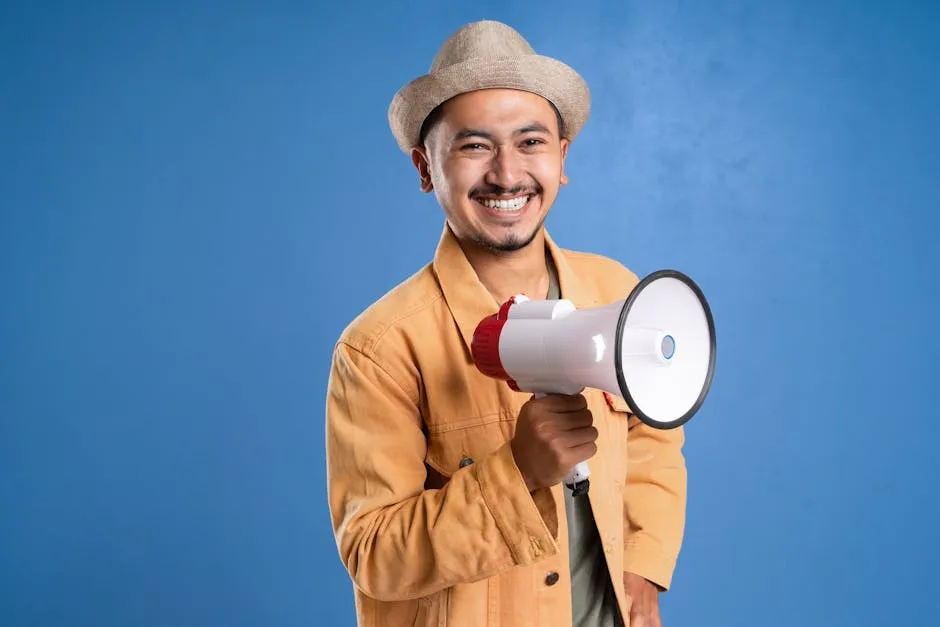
pixel 538 74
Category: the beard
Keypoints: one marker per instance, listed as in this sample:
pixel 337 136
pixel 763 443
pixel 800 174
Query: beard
pixel 508 244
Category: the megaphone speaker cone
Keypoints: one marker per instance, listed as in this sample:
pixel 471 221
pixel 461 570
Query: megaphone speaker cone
pixel 666 358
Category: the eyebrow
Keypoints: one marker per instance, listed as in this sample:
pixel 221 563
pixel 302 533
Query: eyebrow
pixel 532 127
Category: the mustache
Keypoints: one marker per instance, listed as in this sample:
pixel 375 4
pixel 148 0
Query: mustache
pixel 496 190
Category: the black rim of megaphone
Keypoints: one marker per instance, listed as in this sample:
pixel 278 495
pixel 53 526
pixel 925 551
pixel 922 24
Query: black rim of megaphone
pixel 618 359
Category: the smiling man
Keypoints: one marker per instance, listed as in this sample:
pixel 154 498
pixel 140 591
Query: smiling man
pixel 445 486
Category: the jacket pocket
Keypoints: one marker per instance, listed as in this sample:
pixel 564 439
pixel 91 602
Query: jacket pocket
pixel 456 444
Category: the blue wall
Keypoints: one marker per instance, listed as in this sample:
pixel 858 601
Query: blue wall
pixel 194 200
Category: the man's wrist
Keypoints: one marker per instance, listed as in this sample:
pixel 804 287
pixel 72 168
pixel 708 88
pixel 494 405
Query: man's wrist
pixel 645 560
pixel 636 578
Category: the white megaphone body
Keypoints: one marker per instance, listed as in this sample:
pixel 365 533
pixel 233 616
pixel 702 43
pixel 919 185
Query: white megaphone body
pixel 655 349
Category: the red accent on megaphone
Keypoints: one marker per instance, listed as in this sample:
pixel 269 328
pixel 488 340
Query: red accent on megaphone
pixel 485 347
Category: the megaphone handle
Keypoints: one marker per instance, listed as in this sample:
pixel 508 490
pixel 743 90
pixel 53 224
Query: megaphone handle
pixel 578 480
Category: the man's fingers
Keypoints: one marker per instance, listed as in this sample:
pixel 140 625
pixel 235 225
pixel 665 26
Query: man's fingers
pixel 643 614
pixel 576 420
pixel 581 441
pixel 645 618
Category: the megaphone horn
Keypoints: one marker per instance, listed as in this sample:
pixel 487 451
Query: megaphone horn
pixel 655 349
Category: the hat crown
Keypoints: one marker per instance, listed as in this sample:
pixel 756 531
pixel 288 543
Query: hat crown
pixel 487 55
pixel 485 38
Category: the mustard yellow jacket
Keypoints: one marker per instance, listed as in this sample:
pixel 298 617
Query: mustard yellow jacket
pixel 431 516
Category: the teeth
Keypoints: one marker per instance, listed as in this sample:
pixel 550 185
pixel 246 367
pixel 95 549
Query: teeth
pixel 506 205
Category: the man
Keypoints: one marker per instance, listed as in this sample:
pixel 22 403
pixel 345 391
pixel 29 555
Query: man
pixel 445 485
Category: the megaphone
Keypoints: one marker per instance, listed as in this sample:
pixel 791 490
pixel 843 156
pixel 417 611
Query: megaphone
pixel 655 349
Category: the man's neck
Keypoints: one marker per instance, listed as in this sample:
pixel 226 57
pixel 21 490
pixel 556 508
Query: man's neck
pixel 505 274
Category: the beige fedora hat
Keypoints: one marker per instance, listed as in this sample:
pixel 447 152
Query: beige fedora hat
pixel 485 55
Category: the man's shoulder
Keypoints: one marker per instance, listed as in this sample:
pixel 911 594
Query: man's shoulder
pixel 410 303
pixel 607 277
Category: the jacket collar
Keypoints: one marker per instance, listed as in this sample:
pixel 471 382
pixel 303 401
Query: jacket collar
pixel 468 299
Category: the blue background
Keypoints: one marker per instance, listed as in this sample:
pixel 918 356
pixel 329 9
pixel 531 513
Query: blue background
pixel 196 198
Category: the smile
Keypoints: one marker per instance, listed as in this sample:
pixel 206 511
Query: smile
pixel 507 205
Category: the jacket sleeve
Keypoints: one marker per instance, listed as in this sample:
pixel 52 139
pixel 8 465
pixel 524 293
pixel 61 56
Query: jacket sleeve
pixel 655 495
pixel 397 539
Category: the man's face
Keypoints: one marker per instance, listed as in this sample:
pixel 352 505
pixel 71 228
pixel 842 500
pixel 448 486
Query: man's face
pixel 495 162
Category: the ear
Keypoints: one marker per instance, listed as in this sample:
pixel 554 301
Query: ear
pixel 420 158
pixel 564 154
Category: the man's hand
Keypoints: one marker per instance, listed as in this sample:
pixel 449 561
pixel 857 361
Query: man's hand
pixel 644 610
pixel 553 434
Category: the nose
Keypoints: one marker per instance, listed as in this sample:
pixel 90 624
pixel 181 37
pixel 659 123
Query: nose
pixel 505 169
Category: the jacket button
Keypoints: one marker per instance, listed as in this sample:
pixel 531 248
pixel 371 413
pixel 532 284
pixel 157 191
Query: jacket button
pixel 466 461
pixel 551 578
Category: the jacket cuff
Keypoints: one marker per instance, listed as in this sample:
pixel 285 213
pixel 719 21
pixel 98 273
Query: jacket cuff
pixel 527 521
pixel 649 563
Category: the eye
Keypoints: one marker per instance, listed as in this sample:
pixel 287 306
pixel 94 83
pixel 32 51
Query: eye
pixel 532 141
pixel 472 147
